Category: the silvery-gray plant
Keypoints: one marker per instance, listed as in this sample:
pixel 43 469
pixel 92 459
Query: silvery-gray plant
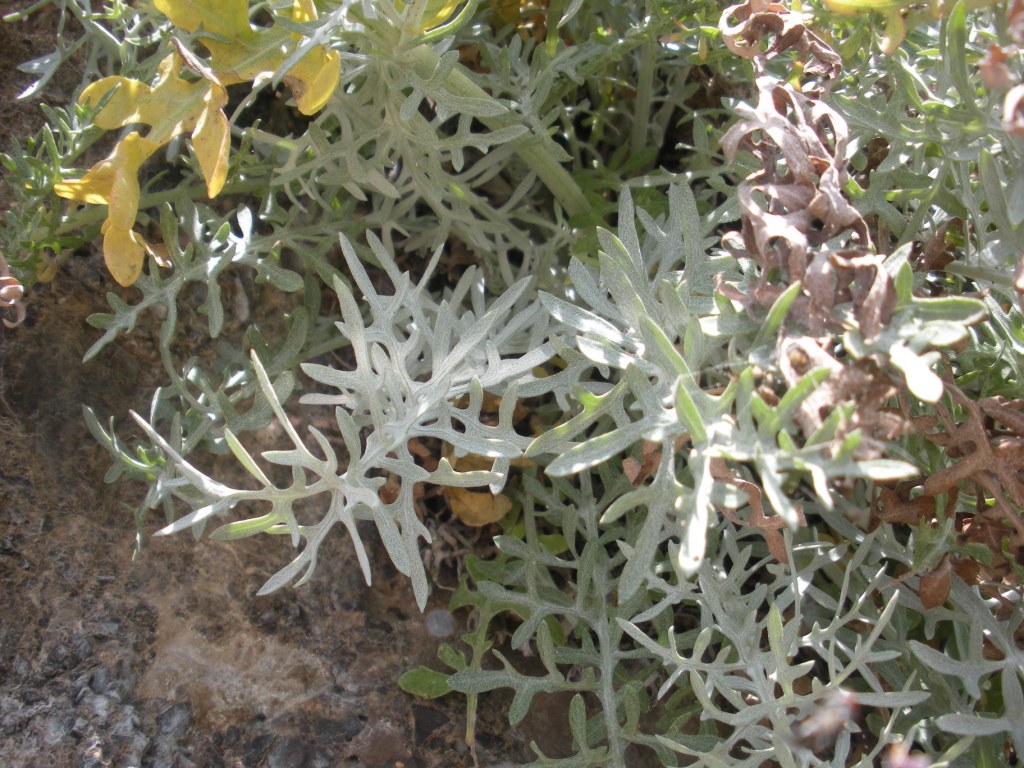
pixel 721 385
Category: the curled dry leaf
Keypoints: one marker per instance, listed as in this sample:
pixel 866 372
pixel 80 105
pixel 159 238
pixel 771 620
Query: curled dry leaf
pixel 769 527
pixel 995 74
pixel 793 211
pixel 744 25
pixel 794 205
pixel 936 252
pixel 637 472
pixel 11 293
pixel 1013 112
pixel 899 756
pixel 892 506
pixel 822 727
pixel 1015 21
pixel 968 570
pixel 984 442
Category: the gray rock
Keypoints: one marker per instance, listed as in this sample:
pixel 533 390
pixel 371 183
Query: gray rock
pixel 176 719
pixel 290 752
pixel 99 706
pixel 56 728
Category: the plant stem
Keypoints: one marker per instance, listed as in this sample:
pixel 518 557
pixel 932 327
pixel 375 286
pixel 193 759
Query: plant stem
pixel 642 110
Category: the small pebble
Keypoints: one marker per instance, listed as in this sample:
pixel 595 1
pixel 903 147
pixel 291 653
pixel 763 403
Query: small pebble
pixel 56 728
pixel 100 706
pixel 175 719
pixel 440 623
pixel 126 726
pixel 99 679
pixel 289 753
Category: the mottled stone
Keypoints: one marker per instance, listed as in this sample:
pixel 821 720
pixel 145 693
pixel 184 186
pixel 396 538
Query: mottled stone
pixel 176 719
pixel 382 743
pixel 290 752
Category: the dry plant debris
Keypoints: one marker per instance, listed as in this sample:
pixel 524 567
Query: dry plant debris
pixel 794 211
pixel 11 293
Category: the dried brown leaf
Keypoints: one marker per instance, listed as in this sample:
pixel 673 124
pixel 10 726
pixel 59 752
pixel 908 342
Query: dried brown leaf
pixel 892 507
pixel 769 527
pixel 1006 412
pixel 11 293
pixel 935 585
pixel 995 74
pixel 936 252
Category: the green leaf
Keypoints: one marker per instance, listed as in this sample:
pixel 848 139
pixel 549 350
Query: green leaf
pixel 245 458
pixel 241 529
pixel 686 389
pixel 772 323
pixel 956 54
pixel 425 683
pixel 796 395
pixel 951 309
pixel 593 407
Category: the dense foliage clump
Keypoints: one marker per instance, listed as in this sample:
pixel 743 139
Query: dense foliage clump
pixel 710 318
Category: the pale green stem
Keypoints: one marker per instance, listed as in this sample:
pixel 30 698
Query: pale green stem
pixel 555 10
pixel 999 277
pixel 642 104
pixel 607 692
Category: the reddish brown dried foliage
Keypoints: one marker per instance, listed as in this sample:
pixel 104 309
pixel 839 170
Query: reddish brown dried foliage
pixel 793 207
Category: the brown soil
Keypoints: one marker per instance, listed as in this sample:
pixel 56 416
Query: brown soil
pixel 171 660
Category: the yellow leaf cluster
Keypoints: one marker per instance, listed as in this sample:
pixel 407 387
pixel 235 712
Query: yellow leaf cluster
pixel 173 106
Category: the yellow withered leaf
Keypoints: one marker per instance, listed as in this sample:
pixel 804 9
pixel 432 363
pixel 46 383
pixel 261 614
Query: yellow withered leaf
pixel 123 252
pixel 211 141
pixel 174 105
pixel 477 508
pixel 899 14
pixel 239 53
pixel 170 107
pixel 115 183
pixel 895 27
